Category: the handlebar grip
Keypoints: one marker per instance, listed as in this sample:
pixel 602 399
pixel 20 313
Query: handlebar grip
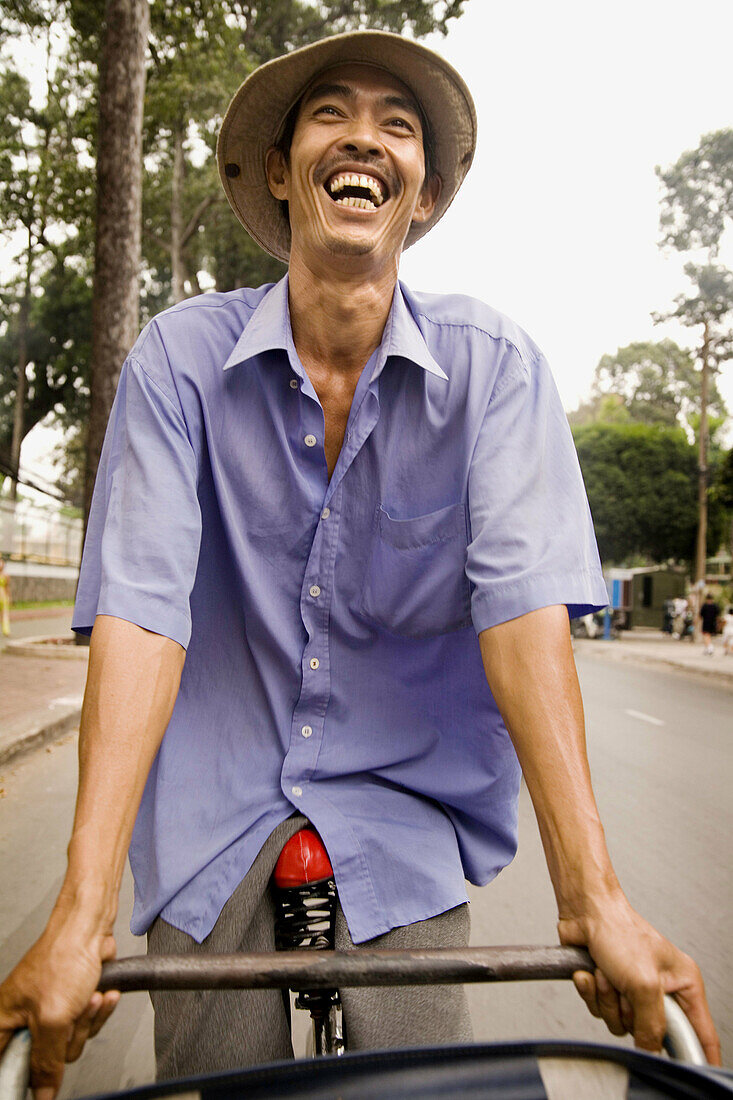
pixel 15 1067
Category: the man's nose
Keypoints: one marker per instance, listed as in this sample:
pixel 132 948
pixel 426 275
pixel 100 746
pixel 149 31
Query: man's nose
pixel 362 139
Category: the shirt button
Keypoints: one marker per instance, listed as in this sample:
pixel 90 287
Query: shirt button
pixel 307 731
pixel 325 513
pixel 310 441
pixel 314 663
pixel 296 791
pixel 314 591
pixel 293 383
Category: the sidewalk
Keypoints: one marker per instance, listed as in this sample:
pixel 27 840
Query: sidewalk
pixel 653 648
pixel 40 696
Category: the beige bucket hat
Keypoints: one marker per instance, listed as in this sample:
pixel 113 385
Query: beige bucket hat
pixel 257 112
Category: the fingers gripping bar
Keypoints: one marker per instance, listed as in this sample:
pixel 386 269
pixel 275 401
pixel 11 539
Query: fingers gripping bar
pixel 328 969
pixel 335 969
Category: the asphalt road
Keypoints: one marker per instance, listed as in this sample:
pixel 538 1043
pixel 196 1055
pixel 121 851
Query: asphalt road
pixel 661 751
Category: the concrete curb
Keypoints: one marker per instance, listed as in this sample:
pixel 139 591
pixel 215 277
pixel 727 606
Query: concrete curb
pixel 37 733
pixel 21 614
pixel 45 646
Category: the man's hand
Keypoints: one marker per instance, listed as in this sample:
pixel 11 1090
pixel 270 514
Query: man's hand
pixel 530 669
pixel 53 992
pixel 636 967
pixel 131 689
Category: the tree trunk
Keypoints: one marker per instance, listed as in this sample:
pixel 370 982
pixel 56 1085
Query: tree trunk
pixel 22 383
pixel 702 465
pixel 177 267
pixel 115 300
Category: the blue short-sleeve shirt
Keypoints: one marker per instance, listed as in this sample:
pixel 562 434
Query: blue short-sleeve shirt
pixel 333 666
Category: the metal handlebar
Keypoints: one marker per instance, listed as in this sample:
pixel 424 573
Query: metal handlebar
pixel 333 969
pixel 336 969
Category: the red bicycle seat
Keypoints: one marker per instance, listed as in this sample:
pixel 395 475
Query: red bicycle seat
pixel 303 859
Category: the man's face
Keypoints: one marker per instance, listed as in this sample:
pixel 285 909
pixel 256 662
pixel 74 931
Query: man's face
pixel 355 177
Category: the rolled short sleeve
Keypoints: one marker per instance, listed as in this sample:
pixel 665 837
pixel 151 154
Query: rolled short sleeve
pixel 144 531
pixel 532 542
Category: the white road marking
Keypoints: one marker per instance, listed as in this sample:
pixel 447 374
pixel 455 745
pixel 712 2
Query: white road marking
pixel 645 717
pixel 66 701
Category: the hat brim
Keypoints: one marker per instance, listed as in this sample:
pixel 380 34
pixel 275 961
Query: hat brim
pixel 258 109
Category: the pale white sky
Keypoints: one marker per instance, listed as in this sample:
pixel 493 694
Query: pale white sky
pixel 557 223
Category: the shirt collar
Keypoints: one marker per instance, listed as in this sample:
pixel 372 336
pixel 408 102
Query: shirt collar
pixel 403 338
pixel 269 328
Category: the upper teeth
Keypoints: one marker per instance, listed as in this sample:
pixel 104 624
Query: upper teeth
pixel 347 180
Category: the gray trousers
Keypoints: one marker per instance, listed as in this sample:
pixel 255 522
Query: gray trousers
pixel 211 1031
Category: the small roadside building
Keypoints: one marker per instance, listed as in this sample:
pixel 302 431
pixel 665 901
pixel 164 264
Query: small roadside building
pixel 638 595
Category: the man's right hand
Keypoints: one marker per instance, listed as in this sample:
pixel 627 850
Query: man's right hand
pixel 53 992
pixel 131 690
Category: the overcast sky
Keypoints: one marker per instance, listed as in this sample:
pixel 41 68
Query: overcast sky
pixel 557 223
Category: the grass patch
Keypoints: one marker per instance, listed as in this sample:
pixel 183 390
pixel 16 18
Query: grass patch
pixel 24 605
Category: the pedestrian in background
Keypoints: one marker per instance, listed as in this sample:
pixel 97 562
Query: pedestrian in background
pixel 4 599
pixel 728 632
pixel 680 609
pixel 709 613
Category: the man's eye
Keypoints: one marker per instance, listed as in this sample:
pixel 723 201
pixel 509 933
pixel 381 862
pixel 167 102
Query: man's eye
pixel 326 109
pixel 400 123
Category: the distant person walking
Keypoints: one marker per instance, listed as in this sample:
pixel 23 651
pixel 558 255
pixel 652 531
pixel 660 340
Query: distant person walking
pixel 4 599
pixel 680 609
pixel 709 613
pixel 728 632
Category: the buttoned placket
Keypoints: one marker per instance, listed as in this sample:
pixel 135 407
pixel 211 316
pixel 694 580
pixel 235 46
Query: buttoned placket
pixel 307 728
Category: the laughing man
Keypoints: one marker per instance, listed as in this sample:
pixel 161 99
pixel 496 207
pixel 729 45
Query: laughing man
pixel 337 533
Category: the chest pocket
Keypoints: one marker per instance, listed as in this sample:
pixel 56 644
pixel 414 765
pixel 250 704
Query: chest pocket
pixel 415 582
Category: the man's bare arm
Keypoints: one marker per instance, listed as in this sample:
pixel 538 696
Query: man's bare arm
pixel 531 671
pixel 131 688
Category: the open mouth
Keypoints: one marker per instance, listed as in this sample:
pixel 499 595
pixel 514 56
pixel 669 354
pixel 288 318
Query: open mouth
pixel 360 191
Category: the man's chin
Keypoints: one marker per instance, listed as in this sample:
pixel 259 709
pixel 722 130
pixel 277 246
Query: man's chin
pixel 341 246
pixel 349 243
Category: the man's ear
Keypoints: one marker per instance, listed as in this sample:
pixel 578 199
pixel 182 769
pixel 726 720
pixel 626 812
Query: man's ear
pixel 428 197
pixel 276 171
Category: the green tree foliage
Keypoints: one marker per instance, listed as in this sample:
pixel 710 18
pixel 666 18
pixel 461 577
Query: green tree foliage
pixel 26 15
pixel 709 302
pixel 697 202
pixel 721 490
pixel 642 487
pixel 58 347
pixel 648 383
pixel 46 195
pixel 723 484
pixel 697 210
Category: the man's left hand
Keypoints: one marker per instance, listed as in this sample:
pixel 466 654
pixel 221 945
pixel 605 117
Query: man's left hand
pixel 635 967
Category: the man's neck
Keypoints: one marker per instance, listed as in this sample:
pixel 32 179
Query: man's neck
pixel 338 318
